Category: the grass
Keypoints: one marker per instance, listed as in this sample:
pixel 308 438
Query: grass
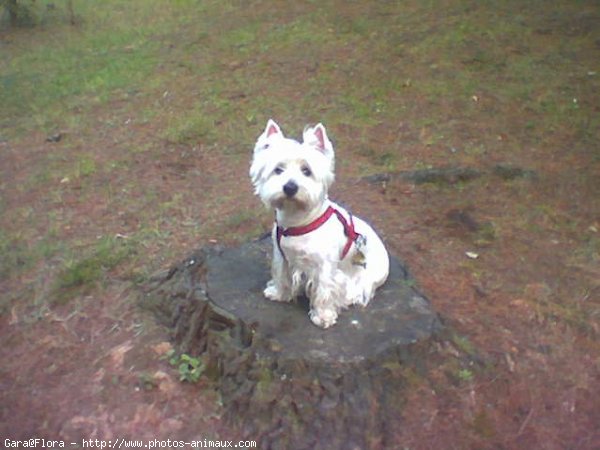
pixel 16 255
pixel 64 70
pixel 19 254
pixel 195 126
pixel 80 274
pixel 79 68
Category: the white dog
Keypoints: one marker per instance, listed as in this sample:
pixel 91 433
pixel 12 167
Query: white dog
pixel 319 248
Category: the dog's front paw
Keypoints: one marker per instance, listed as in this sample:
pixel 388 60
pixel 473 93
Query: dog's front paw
pixel 323 318
pixel 274 294
pixel 364 297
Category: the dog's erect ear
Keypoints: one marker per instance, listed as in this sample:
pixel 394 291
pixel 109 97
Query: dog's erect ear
pixel 272 128
pixel 317 137
pixel 321 136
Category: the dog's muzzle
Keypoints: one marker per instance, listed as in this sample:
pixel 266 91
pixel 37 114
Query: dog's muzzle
pixel 290 188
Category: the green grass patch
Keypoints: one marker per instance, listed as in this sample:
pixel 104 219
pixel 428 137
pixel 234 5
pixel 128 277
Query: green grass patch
pixel 15 254
pixel 241 217
pixel 55 79
pixel 20 252
pixel 81 274
pixel 55 73
pixel 190 128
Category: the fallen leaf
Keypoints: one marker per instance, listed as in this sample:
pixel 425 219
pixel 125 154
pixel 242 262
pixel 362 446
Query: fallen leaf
pixel 162 348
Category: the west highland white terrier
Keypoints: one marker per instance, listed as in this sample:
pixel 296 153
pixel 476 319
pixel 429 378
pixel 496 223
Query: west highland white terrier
pixel 319 248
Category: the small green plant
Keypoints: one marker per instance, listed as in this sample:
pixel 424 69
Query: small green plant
pixel 86 166
pixel 465 375
pixel 190 368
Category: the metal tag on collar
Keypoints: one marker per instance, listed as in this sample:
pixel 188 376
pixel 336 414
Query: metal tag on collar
pixel 358 258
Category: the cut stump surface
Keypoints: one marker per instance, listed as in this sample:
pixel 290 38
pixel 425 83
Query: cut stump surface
pixel 398 315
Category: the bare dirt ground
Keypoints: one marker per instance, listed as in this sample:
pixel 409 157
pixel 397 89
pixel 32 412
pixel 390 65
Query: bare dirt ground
pixel 509 260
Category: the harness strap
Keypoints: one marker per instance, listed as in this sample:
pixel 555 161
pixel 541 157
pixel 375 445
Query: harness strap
pixel 348 225
pixel 349 231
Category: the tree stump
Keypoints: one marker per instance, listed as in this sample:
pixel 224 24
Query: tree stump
pixel 285 382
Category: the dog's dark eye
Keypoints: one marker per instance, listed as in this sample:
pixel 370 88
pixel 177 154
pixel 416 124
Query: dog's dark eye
pixel 306 171
pixel 278 170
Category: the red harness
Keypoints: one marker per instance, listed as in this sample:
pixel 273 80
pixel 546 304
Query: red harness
pixel 349 230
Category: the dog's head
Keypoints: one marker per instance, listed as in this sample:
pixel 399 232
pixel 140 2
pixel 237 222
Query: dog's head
pixel 289 175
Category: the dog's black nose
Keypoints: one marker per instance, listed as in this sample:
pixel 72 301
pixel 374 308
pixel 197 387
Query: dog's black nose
pixel 290 188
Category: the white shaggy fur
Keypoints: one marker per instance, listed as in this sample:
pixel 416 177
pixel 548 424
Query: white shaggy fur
pixel 293 179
